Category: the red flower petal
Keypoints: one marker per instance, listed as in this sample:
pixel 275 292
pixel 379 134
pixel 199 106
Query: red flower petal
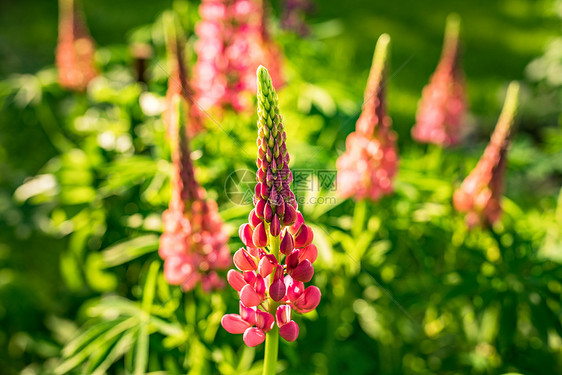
pixel 233 323
pixel 253 336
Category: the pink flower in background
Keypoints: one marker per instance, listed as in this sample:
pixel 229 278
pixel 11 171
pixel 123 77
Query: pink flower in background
pixel 278 254
pixel 367 167
pixel 194 244
pixel 178 82
pixel 75 48
pixel 441 109
pixel 481 192
pixel 233 42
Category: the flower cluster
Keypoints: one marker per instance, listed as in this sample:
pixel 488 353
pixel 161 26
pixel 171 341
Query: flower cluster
pixel 294 13
pixel 441 109
pixel 178 82
pixel 193 245
pixel 233 41
pixel 75 48
pixel 370 161
pixel 480 193
pixel 269 288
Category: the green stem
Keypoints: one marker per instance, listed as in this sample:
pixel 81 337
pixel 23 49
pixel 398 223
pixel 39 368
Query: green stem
pixel 272 337
pixel 271 351
pixel 498 240
pixel 435 153
pixel 359 214
pixel 50 126
pixel 275 242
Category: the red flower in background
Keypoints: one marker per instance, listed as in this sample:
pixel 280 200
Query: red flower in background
pixel 368 166
pixel 233 42
pixel 194 244
pixel 75 48
pixel 441 109
pixel 480 193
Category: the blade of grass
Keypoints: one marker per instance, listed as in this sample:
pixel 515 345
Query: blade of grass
pixel 141 359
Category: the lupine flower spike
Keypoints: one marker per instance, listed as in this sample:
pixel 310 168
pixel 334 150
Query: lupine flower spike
pixel 368 166
pixel 75 48
pixel 442 107
pixel 194 244
pixel 178 82
pixel 480 193
pixel 278 253
pixel 233 41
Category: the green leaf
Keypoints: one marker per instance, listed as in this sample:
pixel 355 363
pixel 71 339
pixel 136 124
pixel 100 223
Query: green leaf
pixel 119 349
pixel 88 335
pixel 127 172
pixel 141 358
pixel 98 279
pixel 70 271
pixel 95 345
pixel 128 250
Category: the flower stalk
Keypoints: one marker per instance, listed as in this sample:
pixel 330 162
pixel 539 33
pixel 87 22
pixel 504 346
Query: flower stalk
pixel 194 244
pixel 75 48
pixel 278 254
pixel 441 109
pixel 179 80
pixel 367 168
pixel 271 352
pixel 479 196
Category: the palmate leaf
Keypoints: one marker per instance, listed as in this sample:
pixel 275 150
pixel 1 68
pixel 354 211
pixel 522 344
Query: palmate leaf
pixel 98 356
pixel 122 346
pixel 101 340
pixel 131 325
pixel 127 308
pixel 166 328
pixel 127 172
pixel 113 306
pixel 88 335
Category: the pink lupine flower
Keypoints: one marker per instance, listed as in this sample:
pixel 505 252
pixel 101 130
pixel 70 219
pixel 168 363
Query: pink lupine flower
pixel 233 41
pixel 178 82
pixel 245 322
pixel 480 193
pixel 193 245
pixel 367 167
pixel 278 254
pixel 294 13
pixel 75 48
pixel 441 109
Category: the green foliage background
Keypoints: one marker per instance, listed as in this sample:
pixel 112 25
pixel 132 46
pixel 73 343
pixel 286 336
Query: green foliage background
pixel 406 288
